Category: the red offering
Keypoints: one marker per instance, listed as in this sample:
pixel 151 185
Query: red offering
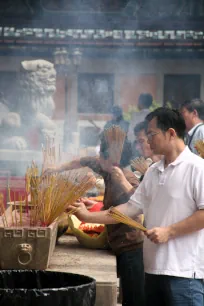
pixel 97 207
pixel 91 229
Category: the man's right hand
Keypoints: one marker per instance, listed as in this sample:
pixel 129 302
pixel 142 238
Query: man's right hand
pixel 89 203
pixel 80 211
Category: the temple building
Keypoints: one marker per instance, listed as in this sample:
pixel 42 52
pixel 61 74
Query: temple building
pixel 104 54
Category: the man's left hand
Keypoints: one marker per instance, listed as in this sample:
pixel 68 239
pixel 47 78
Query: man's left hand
pixel 158 234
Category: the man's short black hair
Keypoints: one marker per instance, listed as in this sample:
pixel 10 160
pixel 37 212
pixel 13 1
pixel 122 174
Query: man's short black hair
pixel 194 104
pixel 168 118
pixel 145 100
pixel 117 111
pixel 140 127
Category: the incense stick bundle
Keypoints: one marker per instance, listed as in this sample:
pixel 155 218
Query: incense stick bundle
pixel 140 164
pixel 199 145
pixel 52 194
pixel 51 154
pixel 118 216
pixel 115 138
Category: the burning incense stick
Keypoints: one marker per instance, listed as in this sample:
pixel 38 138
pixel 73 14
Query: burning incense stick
pixel 11 208
pixel 21 211
pixel 53 193
pixel 115 138
pixel 15 211
pixel 50 194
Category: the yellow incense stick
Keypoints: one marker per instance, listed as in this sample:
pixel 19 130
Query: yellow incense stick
pixel 118 216
pixel 21 210
pixel 11 207
pixel 2 217
pixel 15 209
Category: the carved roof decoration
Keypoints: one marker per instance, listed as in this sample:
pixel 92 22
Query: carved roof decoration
pixel 100 37
pixel 147 28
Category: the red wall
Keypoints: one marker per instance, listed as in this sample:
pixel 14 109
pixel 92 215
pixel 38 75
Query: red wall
pixel 132 86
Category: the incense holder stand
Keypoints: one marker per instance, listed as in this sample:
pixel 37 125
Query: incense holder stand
pixel 27 248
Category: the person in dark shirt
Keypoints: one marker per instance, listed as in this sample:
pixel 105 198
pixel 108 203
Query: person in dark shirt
pixel 126 242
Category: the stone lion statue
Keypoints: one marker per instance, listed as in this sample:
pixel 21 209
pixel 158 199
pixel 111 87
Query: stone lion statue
pixel 33 112
pixel 37 86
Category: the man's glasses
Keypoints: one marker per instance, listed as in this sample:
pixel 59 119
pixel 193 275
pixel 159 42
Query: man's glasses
pixel 151 134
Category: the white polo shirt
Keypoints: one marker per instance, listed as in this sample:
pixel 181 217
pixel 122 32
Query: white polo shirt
pixel 199 135
pixel 167 196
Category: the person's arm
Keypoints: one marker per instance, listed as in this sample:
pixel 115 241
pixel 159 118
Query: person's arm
pixel 91 162
pixel 103 217
pixel 132 208
pixel 75 164
pixel 126 186
pixel 187 226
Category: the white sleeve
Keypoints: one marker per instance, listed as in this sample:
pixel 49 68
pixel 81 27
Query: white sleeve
pixel 198 191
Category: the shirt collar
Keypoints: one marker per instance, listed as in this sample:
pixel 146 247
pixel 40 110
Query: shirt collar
pixel 190 133
pixel 184 155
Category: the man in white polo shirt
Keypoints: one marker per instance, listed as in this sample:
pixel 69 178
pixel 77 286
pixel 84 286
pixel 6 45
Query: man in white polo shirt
pixel 171 196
